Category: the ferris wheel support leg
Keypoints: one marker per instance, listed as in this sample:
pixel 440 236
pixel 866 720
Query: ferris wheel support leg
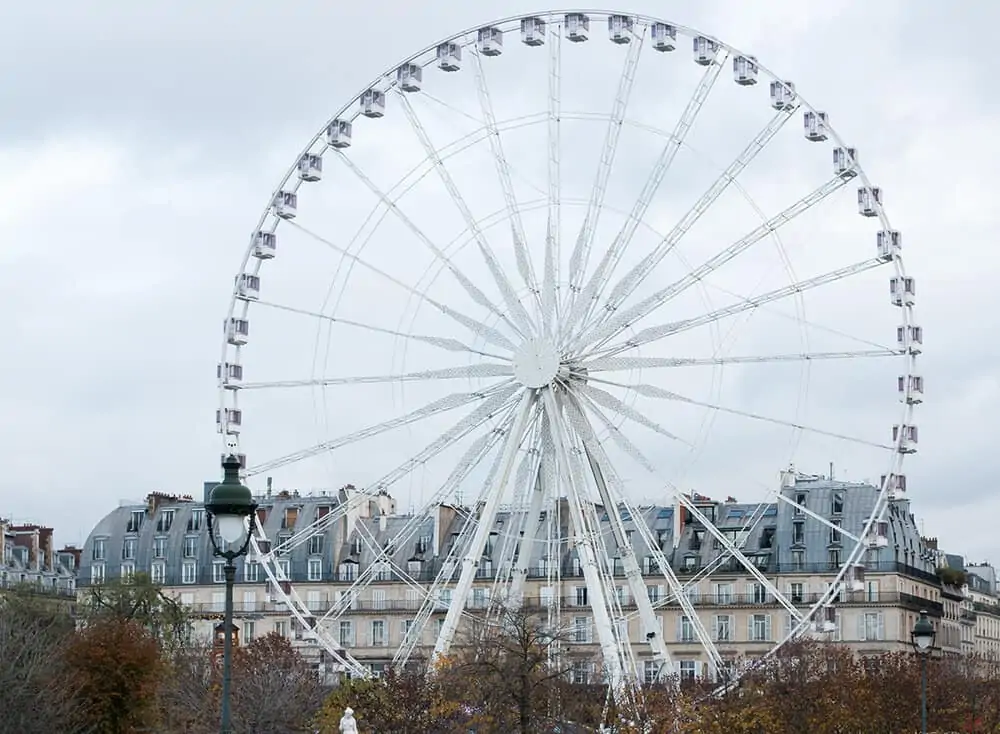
pixel 470 563
pixel 524 543
pixel 585 549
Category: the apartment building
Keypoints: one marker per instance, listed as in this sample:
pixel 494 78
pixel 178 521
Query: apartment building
pixel 797 543
pixel 28 558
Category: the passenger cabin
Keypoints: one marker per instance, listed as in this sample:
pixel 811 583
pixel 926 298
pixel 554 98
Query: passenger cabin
pixel 577 27
pixel 905 438
pixel 902 291
pixel 372 103
pixel 338 134
pixel 449 56
pixel 911 389
pixel 815 124
pixel 745 70
pixel 878 535
pixel 286 204
pixel 248 286
pixel 783 96
pixel 620 28
pixel 237 331
pixel 532 31
pixel 311 167
pixel 410 77
pixel 889 242
pixel 233 420
pixel 910 338
pixel 265 244
pixel 230 374
pixel 896 484
pixel 664 37
pixel 489 41
pixel 869 200
pixel 704 50
pixel 845 162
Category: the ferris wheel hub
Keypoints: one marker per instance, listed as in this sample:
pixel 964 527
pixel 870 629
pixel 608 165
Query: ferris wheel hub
pixel 536 363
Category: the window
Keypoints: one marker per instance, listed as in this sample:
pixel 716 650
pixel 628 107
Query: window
pixel 315 568
pixel 580 596
pixel 581 629
pixel 159 547
pixel 690 563
pixel 348 571
pixel 128 549
pixel 190 546
pixel 685 630
pixel 248 632
pixel 760 627
pixel 688 669
pixel 798 560
pixel 723 593
pixel 346 633
pixel 654 593
pixel 100 549
pixel 218 572
pixel 405 628
pixel 800 500
pixel 872 626
pixel 650 671
pixel 189 573
pixel 798 533
pixel 251 572
pixel 283 568
pixel 871 592
pixel 649 565
pixel 577 567
pixel 165 521
pixel 580 672
pixel 835 533
pixel 767 538
pixel 796 593
pixel 833 558
pixel 97 573
pixel 837 504
pixel 382 572
pixel 757 593
pixel 316 545
pixel 218 601
pixel 723 628
pixel 196 521
pixel 281 628
pixel 378 633
pixel 378 599
pixel 135 521
pixel 157 573
pixel 415 569
pixel 128 573
pixel 479 598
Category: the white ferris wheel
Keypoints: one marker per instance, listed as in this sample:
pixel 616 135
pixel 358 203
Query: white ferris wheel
pixel 553 273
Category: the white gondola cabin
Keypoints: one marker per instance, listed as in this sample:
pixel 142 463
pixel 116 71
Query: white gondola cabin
pixel 910 339
pixel 372 103
pixel 311 167
pixel 845 162
pixel 664 37
pixel 577 27
pixel 237 331
pixel 233 420
pixel 620 28
pixel 286 204
pixel 745 70
pixel 410 77
pixel 905 438
pixel 338 134
pixel 856 577
pixel 911 389
pixel 878 535
pixel 248 286
pixel 704 50
pixel 265 244
pixel 449 56
pixel 896 485
pixel 869 200
pixel 783 95
pixel 902 291
pixel 489 41
pixel 230 373
pixel 532 31
pixel 889 242
pixel 815 124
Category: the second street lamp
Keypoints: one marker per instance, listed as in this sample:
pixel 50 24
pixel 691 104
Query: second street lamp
pixel 922 637
pixel 230 509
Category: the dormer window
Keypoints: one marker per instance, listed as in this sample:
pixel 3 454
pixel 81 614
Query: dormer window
pixel 135 521
pixel 165 521
pixel 837 503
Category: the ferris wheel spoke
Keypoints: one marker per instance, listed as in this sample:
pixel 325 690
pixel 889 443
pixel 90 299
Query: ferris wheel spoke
pixel 550 277
pixel 521 256
pixel 463 280
pixel 449 373
pixel 495 395
pixel 652 391
pixel 655 333
pixel 616 434
pixel 517 311
pixel 609 401
pixel 446 343
pixel 581 250
pixel 618 364
pixel 637 215
pixel 613 325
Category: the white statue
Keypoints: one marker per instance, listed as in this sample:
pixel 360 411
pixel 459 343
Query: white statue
pixel 347 723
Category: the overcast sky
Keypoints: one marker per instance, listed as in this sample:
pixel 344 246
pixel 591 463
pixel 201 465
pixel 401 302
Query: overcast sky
pixel 139 146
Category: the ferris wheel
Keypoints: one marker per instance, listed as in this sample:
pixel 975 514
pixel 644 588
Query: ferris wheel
pixel 547 276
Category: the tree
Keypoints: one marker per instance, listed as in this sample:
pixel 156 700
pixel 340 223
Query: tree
pixel 114 666
pixel 34 694
pixel 143 602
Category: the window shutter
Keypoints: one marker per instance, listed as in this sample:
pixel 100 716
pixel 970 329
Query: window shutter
pixel 767 627
pixel 750 627
pixel 715 627
pixel 861 627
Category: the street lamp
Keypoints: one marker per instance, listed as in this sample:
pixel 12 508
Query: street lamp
pixel 922 637
pixel 230 507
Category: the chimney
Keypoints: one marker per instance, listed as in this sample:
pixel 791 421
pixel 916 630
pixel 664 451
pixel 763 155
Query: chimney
pixel 26 536
pixel 47 548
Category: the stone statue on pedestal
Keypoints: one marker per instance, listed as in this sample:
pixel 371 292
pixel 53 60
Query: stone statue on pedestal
pixel 347 723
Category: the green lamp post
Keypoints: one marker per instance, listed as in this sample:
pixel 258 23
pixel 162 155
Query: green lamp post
pixel 922 637
pixel 230 509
